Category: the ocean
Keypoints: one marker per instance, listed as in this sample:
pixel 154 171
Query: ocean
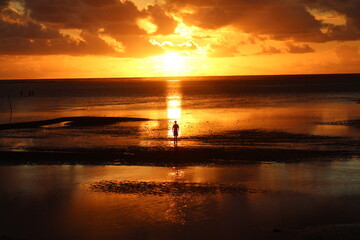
pixel 258 157
pixel 210 110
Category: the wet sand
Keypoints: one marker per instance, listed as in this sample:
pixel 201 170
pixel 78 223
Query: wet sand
pixel 249 184
pixel 170 156
pixel 313 200
pixel 227 148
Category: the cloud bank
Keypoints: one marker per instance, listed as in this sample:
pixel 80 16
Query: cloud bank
pixel 111 27
pixel 37 27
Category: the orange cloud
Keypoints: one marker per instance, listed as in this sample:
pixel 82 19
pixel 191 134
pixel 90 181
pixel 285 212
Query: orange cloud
pixel 41 28
pixel 281 20
pixel 349 9
pixel 209 36
pixel 165 24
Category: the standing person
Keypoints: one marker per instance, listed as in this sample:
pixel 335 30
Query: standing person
pixel 175 129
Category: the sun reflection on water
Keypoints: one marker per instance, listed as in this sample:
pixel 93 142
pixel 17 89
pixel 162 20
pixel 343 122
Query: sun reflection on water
pixel 173 102
pixel 178 204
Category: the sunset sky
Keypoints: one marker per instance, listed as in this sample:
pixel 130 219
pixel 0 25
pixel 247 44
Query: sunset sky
pixel 145 38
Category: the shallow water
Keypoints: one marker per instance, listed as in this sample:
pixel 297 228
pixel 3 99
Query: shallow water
pixel 57 202
pixel 282 201
pixel 294 104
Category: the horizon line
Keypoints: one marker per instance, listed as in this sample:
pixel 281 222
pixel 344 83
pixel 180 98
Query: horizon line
pixel 178 77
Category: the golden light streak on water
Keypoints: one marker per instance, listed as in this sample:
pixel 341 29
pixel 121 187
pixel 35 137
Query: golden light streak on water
pixel 173 102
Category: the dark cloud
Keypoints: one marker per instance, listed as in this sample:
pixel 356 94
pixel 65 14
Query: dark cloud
pixel 101 3
pixel 22 35
pixel 4 3
pixel 114 16
pixel 209 18
pixel 10 28
pixel 28 30
pixel 63 45
pixel 269 51
pixel 350 9
pixel 218 3
pixel 279 19
pixel 123 28
pixel 274 18
pixel 166 25
pixel 22 46
pixel 289 48
pixel 90 45
pixel 85 14
pixel 283 22
pixel 304 48
pixel 38 29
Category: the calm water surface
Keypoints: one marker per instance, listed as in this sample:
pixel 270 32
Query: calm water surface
pixel 295 104
pixel 56 202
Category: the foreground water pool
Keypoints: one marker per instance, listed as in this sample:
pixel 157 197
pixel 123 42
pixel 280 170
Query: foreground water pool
pixel 283 201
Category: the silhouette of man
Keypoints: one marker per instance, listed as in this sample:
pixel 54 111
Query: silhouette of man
pixel 175 129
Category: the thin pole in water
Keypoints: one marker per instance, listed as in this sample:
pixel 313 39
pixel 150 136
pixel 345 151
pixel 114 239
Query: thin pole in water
pixel 10 103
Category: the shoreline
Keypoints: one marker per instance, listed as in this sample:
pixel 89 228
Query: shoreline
pixel 251 146
pixel 181 156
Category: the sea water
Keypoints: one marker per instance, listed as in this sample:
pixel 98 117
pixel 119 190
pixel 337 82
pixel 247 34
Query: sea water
pixel 204 107
pixel 285 200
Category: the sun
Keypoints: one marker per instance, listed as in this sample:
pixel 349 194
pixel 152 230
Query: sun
pixel 173 61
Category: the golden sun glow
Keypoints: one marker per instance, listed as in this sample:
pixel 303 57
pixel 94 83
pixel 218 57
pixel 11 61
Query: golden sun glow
pixel 164 38
pixel 173 61
pixel 173 99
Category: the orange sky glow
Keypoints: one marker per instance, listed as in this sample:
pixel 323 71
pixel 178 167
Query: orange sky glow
pixel 145 38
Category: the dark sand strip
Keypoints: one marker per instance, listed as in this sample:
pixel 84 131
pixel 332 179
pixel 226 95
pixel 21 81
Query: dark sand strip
pixel 143 156
pixel 351 123
pixel 263 137
pixel 161 188
pixel 72 122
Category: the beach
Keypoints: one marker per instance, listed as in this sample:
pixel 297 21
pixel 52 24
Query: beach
pixel 314 200
pixel 179 120
pixel 262 157
pixel 222 121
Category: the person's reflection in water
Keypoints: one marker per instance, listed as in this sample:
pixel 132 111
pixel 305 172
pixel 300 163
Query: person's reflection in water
pixel 175 129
